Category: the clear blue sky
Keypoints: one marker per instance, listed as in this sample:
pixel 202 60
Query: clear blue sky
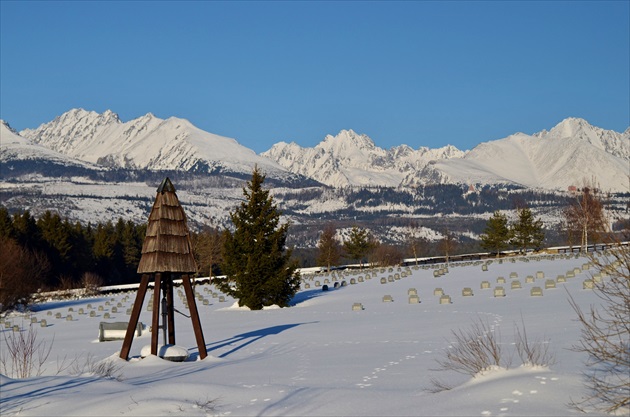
pixel 420 73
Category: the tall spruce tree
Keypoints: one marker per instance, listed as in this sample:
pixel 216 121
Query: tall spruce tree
pixel 258 269
pixel 6 224
pixel 497 234
pixel 527 232
pixel 359 244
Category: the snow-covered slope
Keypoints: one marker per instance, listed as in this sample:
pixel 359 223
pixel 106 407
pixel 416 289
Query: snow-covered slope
pixel 353 159
pixel 147 142
pixel 572 153
pixel 321 357
pixel 14 147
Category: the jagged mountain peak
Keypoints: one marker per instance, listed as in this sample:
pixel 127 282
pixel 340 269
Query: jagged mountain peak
pixel 350 158
pixel 570 127
pixel 147 142
pixel 73 115
pixel 347 139
pixel 574 128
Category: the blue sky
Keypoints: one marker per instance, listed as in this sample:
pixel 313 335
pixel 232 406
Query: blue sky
pixel 420 73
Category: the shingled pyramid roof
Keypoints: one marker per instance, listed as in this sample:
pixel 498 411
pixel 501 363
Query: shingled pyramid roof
pixel 167 246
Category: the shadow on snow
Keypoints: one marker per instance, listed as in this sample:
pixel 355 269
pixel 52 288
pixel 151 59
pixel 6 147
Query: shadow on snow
pixel 242 340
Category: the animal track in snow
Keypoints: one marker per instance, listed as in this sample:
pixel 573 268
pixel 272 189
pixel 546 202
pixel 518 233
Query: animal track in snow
pixel 376 371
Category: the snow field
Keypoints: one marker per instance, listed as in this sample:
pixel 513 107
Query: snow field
pixel 320 357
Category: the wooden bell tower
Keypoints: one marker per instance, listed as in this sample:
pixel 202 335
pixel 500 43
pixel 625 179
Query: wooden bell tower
pixel 166 253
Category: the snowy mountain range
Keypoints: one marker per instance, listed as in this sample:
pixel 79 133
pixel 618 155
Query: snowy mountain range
pixel 570 153
pixel 353 159
pixel 147 142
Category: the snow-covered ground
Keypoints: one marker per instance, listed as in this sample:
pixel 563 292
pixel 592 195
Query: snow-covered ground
pixel 320 357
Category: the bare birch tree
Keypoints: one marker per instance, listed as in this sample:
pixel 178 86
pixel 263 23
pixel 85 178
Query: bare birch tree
pixel 585 214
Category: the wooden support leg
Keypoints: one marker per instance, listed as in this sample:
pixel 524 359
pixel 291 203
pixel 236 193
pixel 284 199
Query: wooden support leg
pixel 170 309
pixel 155 324
pixel 194 316
pixel 135 315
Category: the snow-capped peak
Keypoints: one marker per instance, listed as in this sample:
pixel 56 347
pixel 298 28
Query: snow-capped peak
pixel 147 142
pixel 570 153
pixel 350 158
pixel 569 127
pixel 609 141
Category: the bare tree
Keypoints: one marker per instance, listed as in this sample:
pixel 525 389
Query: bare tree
pixel 329 247
pixel 208 245
pixel 386 255
pixel 585 214
pixel 414 239
pixel 606 333
pixel 91 283
pixel 448 244
pixel 21 272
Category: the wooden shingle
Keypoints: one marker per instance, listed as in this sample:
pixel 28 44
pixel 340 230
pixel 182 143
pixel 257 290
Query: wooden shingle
pixel 167 246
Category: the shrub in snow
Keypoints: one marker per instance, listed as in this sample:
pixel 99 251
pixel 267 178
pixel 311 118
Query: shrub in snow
pixel 479 348
pixel 22 355
pixel 606 334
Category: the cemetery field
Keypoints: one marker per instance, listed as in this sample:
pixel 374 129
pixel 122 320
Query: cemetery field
pixel 366 348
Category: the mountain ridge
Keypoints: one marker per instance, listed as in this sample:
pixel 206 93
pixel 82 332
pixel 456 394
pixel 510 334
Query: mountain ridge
pixel 146 142
pixel 571 152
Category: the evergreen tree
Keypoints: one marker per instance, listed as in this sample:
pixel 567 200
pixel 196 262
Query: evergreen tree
pixel 128 249
pixel 56 235
pixel 81 256
pixel 6 224
pixel 258 270
pixel 527 232
pixel 497 234
pixel 358 245
pixel 105 252
pixel 26 231
pixel 328 247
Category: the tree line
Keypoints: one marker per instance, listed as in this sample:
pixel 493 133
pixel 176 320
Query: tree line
pixel 50 253
pixel 252 257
